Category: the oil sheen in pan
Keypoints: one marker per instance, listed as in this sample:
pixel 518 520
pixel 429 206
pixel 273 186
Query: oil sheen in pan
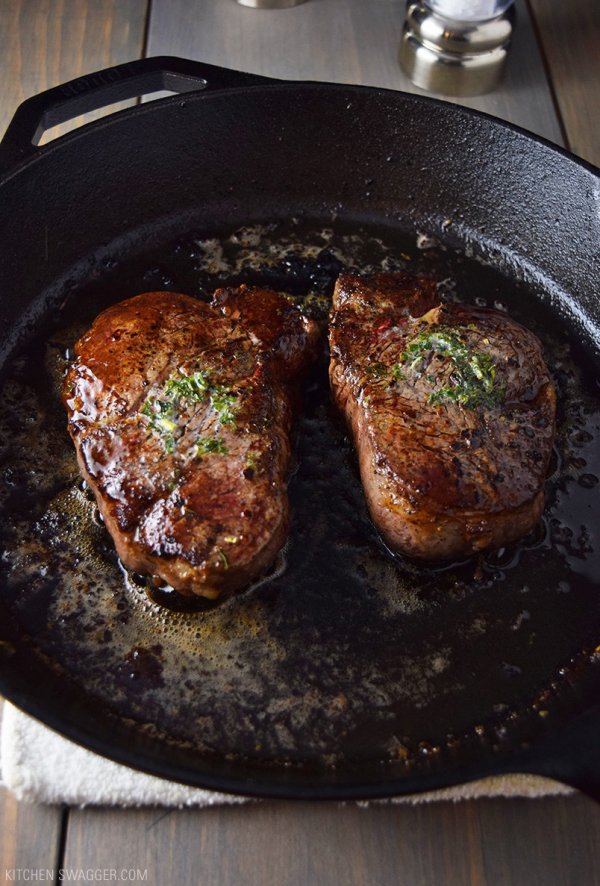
pixel 344 651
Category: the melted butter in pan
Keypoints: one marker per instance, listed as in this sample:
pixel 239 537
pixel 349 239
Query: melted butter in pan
pixel 343 650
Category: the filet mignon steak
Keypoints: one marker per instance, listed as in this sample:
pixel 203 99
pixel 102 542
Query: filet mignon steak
pixel 452 410
pixel 180 413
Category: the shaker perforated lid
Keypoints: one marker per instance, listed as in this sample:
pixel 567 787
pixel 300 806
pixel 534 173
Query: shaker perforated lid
pixel 468 10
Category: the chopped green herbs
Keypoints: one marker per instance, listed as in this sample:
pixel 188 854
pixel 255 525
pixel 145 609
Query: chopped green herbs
pixel 193 388
pixel 161 415
pixel 223 402
pixel 205 445
pixel 165 425
pixel 180 391
pixel 223 557
pixel 435 340
pixel 473 373
pixel 377 370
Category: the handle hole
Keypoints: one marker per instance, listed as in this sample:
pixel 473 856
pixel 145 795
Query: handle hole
pixel 46 135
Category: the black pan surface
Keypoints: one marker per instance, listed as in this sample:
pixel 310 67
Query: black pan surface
pixel 346 672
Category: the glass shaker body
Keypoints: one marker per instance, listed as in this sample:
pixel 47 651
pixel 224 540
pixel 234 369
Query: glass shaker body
pixel 468 10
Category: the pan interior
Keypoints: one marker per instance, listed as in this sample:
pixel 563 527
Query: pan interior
pixel 343 653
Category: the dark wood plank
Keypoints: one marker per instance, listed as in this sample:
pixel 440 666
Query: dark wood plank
pixel 348 41
pixel 552 842
pixel 485 842
pixel 570 37
pixel 29 835
pixel 47 42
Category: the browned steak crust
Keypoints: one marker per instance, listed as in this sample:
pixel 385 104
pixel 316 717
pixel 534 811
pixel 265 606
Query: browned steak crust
pixel 452 410
pixel 180 413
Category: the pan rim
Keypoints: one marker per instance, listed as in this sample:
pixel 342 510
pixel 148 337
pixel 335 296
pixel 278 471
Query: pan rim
pixel 201 96
pixel 396 786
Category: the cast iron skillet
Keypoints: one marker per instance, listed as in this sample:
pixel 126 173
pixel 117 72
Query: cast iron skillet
pixel 239 149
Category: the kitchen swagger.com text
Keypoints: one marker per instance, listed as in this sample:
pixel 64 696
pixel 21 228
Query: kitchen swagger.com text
pixel 75 875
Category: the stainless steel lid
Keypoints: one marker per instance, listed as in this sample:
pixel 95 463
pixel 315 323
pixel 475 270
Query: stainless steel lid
pixel 453 57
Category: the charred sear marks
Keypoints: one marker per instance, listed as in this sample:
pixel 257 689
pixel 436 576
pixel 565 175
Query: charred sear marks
pixel 452 410
pixel 180 413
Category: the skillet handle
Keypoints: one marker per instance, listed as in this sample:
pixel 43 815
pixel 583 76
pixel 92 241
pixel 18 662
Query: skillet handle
pixel 61 103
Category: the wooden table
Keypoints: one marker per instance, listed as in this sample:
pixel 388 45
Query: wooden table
pixel 551 87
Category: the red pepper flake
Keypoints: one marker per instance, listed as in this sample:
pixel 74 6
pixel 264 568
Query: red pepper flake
pixel 258 371
pixel 385 325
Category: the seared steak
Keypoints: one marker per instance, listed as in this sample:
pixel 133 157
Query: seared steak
pixel 180 413
pixel 452 411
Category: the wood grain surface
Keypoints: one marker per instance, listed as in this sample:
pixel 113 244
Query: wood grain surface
pixel 47 42
pixel 550 842
pixel 570 36
pixel 29 835
pixel 346 41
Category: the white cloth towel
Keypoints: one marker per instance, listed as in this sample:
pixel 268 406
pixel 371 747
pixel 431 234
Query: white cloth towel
pixel 40 766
